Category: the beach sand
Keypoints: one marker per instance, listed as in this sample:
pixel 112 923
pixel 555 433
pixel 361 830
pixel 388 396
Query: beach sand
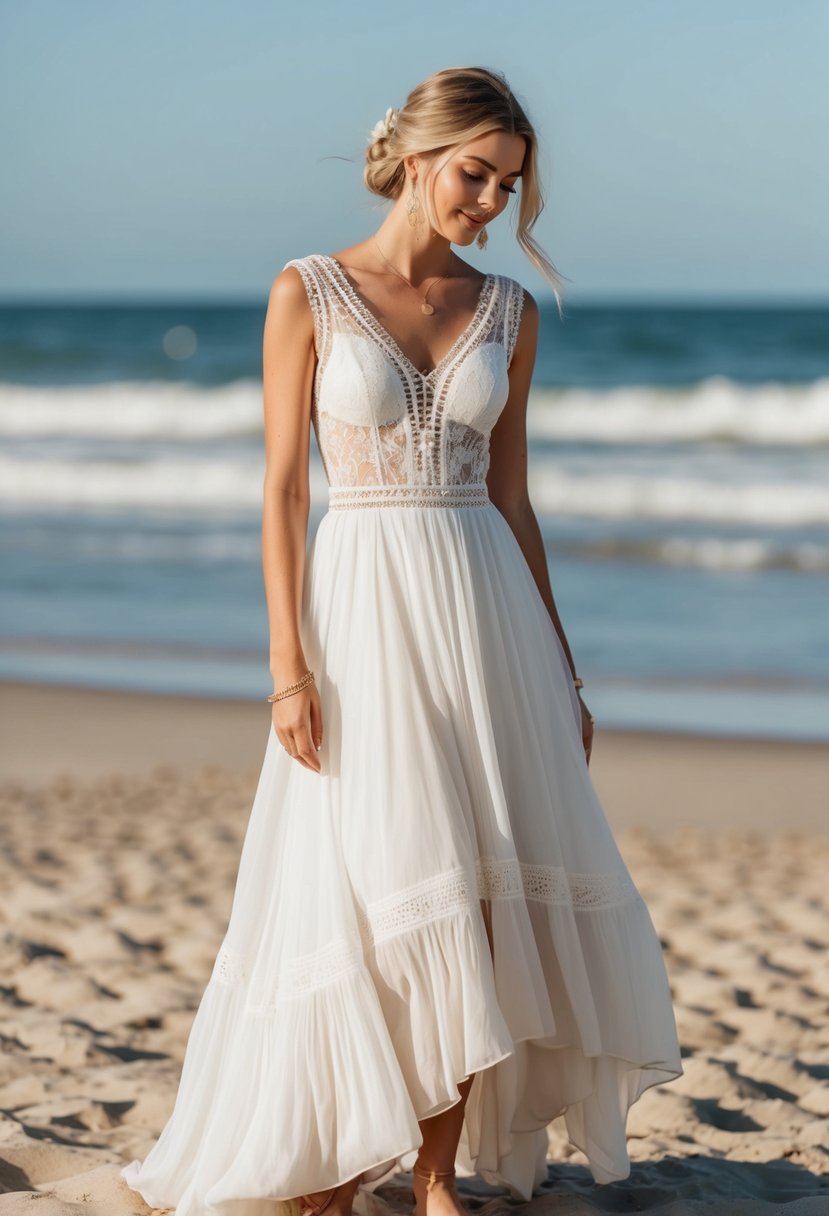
pixel 122 821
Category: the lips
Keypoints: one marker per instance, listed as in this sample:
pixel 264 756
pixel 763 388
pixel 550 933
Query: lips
pixel 475 219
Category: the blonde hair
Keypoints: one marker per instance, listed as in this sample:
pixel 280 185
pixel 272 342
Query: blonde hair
pixel 451 107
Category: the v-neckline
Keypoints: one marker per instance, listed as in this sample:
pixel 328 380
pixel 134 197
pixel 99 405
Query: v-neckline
pixel 380 329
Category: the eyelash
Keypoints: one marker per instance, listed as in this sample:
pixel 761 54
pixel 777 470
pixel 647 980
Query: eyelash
pixel 470 177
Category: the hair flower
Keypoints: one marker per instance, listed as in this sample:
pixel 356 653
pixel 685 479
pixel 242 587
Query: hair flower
pixel 386 125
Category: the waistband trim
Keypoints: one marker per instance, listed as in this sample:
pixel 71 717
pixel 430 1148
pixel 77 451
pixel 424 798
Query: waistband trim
pixel 475 494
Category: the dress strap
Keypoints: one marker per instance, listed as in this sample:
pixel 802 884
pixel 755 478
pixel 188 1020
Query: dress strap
pixel 316 289
pixel 513 308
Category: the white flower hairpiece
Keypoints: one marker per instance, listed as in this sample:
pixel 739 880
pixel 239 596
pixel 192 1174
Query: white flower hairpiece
pixel 386 125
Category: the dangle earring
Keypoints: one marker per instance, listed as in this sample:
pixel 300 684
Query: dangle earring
pixel 482 239
pixel 413 207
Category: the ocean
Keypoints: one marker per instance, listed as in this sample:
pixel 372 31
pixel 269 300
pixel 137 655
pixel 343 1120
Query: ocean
pixel 679 469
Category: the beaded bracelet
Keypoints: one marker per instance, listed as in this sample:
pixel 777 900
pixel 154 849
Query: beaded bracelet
pixel 292 688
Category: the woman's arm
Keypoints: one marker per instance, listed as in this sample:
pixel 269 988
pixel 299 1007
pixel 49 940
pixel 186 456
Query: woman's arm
pixel 507 480
pixel 507 475
pixel 288 364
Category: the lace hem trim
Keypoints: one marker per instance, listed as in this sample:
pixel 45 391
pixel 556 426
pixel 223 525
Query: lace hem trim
pixel 551 884
pixel 452 892
pixel 443 895
pixel 472 495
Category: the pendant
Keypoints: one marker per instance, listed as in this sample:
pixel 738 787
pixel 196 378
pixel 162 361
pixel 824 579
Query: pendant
pixel 427 308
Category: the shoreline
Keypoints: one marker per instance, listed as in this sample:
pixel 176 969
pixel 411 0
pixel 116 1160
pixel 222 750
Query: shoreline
pixel 653 779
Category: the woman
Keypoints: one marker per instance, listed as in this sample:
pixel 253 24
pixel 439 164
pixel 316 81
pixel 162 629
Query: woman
pixel 434 946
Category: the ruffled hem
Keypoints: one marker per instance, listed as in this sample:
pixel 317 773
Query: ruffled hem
pixel 276 1097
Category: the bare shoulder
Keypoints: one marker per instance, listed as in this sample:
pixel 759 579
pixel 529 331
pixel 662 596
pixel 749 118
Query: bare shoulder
pixel 288 298
pixel 289 319
pixel 288 288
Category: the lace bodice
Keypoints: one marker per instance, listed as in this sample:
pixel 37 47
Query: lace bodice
pixel 380 421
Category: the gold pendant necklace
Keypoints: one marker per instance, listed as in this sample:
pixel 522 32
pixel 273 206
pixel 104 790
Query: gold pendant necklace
pixel 425 307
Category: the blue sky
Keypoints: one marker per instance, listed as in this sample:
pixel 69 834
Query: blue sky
pixel 192 148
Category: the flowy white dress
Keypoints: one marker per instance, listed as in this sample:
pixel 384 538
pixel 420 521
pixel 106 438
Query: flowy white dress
pixel 355 985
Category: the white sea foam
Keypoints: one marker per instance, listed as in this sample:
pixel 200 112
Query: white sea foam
pixel 159 483
pixel 778 504
pixel 132 410
pixel 217 484
pixel 716 409
pixel 235 483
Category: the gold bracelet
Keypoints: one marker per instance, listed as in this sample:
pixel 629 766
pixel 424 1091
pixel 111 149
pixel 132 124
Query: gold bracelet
pixel 292 688
pixel 578 682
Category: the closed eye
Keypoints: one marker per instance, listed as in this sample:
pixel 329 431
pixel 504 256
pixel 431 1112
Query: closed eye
pixel 472 177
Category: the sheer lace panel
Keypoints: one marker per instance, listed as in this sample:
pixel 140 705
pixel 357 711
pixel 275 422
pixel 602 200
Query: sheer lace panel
pixel 379 420
pixel 351 458
pixel 467 453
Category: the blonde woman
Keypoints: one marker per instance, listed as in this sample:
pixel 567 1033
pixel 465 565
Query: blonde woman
pixel 434 947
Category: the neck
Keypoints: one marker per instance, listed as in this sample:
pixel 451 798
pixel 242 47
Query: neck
pixel 416 253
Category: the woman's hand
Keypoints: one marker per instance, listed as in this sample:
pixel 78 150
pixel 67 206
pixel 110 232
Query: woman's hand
pixel 586 728
pixel 297 720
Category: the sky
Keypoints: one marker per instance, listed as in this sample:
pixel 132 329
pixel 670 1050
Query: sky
pixel 189 148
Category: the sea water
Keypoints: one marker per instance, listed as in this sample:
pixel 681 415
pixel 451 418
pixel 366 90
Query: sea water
pixel 679 470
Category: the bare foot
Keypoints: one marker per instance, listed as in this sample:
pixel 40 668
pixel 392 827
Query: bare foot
pixel 342 1202
pixel 436 1198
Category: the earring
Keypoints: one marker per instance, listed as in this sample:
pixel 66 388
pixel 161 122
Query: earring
pixel 482 239
pixel 413 207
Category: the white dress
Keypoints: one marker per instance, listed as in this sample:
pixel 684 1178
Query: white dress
pixel 355 987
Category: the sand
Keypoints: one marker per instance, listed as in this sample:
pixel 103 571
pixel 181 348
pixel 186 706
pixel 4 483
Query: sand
pixel 121 819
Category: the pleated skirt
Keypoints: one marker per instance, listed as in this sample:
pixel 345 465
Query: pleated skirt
pixel 445 898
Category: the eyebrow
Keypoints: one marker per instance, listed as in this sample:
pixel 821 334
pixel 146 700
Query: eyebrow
pixel 515 173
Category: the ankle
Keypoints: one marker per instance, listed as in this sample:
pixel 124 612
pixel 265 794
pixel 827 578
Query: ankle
pixel 434 1191
pixel 434 1176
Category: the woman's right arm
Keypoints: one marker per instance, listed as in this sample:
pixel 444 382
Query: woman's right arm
pixel 288 364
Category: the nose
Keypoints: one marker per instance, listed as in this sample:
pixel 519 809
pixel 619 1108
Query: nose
pixel 487 203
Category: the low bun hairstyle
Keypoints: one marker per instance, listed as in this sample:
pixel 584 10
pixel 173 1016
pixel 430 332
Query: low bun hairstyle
pixel 451 107
pixel 384 173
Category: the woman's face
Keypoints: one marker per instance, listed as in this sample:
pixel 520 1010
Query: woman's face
pixel 475 183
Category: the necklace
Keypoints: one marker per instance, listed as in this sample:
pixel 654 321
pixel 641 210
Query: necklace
pixel 425 307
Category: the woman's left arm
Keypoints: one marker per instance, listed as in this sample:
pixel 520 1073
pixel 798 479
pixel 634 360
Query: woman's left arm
pixel 507 478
